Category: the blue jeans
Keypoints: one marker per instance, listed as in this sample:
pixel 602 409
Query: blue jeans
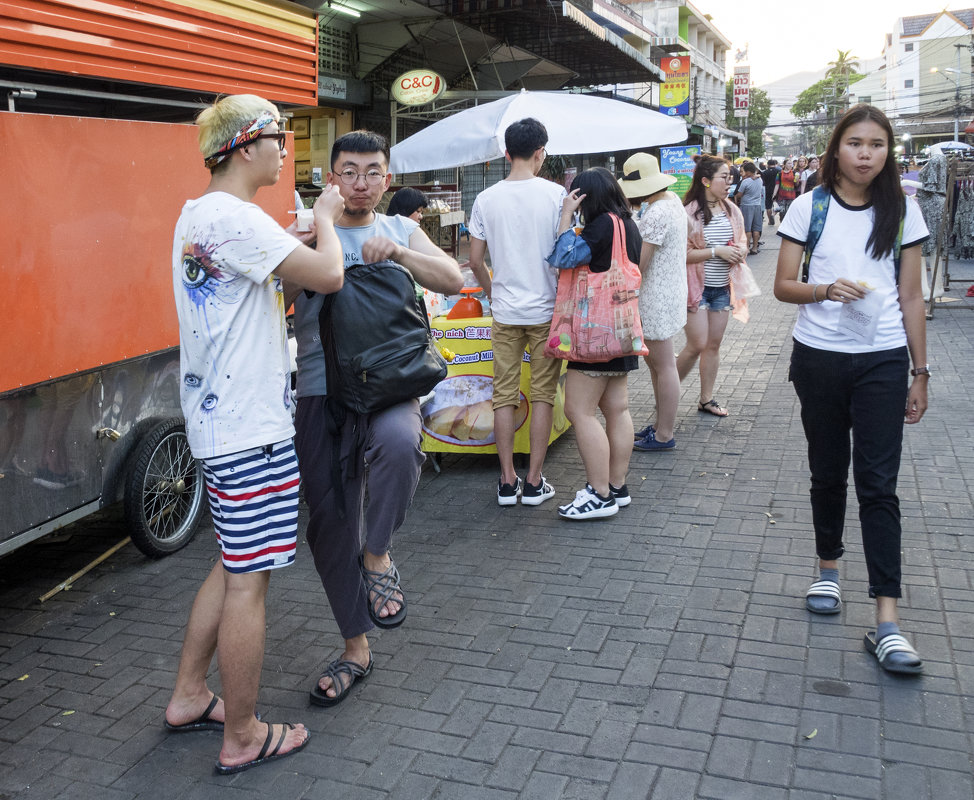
pixel 864 393
pixel 715 298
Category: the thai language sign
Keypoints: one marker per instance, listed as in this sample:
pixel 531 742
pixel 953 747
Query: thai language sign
pixel 742 90
pixel 674 93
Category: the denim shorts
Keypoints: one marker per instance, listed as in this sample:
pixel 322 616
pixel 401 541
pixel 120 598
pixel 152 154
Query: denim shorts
pixel 715 298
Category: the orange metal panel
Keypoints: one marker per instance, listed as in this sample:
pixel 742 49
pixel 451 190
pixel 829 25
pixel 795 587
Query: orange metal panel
pixel 264 47
pixel 87 256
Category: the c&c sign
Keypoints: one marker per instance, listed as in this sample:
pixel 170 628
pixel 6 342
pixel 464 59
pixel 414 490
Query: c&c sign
pixel 417 87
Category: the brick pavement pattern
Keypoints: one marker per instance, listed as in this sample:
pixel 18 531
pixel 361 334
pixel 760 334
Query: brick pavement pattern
pixel 664 653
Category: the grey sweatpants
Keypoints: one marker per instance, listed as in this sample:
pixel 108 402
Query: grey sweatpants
pixel 379 451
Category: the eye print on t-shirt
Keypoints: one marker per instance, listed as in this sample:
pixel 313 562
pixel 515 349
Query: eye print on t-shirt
pixel 203 279
pixel 196 384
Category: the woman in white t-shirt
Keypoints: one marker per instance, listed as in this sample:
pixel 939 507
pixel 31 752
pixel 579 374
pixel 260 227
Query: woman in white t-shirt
pixel 809 177
pixel 860 321
pixel 801 167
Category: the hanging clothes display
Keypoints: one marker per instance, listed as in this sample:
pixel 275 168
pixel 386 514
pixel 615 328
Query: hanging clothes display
pixel 951 221
pixel 963 230
pixel 932 196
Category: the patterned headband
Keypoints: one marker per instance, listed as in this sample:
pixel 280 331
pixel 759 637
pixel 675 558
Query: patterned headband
pixel 247 134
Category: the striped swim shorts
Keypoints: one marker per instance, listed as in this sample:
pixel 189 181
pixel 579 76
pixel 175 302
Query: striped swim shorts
pixel 254 502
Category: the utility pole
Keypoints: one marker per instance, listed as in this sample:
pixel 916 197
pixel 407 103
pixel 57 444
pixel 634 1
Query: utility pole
pixel 957 95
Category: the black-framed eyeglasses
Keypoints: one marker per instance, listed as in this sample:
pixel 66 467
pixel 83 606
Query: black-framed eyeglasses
pixel 373 177
pixel 281 138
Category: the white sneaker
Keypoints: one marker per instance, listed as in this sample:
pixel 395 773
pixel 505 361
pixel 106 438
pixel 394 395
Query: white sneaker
pixel 621 495
pixel 589 505
pixel 536 495
pixel 508 493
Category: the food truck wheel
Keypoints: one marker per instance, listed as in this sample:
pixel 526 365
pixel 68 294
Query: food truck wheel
pixel 164 491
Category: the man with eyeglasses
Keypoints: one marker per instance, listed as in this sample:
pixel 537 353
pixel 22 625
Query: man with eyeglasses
pixel 380 452
pixel 229 258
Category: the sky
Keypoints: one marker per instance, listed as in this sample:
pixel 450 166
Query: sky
pixel 787 37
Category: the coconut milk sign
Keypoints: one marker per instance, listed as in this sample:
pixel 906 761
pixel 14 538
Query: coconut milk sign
pixel 418 87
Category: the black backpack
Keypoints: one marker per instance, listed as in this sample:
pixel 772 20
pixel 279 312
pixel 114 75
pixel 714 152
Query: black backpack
pixel 378 349
pixel 376 339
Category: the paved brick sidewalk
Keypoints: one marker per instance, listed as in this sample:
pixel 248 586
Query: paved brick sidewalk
pixel 664 653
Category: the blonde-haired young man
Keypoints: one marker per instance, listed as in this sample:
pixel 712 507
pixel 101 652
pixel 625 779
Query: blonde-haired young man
pixel 229 258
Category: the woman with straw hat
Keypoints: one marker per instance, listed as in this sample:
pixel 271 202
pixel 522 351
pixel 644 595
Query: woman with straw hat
pixel 662 224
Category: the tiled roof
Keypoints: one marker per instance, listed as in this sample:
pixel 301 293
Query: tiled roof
pixel 914 26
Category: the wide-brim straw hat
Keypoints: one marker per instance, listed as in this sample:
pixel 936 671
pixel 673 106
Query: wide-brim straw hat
pixel 641 176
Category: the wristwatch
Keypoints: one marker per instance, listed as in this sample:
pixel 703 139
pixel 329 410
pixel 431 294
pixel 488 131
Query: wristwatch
pixel 924 370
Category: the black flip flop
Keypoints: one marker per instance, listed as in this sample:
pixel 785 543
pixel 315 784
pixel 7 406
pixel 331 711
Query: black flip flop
pixel 204 722
pixel 263 756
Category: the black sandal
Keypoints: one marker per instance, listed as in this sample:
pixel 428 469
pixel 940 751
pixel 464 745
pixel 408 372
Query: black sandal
pixel 204 722
pixel 263 757
pixel 712 407
pixel 384 585
pixel 894 653
pixel 355 673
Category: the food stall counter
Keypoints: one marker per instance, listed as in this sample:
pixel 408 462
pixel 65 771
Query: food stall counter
pixel 458 418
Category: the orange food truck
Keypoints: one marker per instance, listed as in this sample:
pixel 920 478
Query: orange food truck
pixel 97 157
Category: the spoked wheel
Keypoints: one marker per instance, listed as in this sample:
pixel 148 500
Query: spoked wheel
pixel 164 491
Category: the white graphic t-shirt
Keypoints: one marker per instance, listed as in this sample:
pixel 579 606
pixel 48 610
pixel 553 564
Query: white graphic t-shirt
pixel 235 374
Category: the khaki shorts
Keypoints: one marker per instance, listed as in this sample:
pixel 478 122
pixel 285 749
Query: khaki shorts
pixel 509 343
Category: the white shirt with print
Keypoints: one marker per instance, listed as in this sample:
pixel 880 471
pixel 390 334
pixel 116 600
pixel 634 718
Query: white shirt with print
pixel 234 366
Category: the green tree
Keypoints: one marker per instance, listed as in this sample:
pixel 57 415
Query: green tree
pixel 839 72
pixel 824 95
pixel 823 102
pixel 757 118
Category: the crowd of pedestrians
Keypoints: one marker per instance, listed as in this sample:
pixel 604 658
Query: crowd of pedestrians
pixel 850 259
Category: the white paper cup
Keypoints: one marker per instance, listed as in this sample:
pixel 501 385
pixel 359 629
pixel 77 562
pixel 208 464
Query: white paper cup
pixel 305 217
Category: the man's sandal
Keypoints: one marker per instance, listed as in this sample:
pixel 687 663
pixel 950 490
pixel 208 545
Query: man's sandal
pixel 894 653
pixel 824 589
pixel 712 407
pixel 204 722
pixel 385 586
pixel 352 671
pixel 264 756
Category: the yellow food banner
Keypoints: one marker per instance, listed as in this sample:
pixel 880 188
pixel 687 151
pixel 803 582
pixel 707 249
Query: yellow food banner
pixel 458 418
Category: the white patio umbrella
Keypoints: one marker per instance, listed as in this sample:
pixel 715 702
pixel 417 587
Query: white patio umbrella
pixel 941 147
pixel 576 123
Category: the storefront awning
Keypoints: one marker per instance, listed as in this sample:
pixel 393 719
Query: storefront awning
pixel 557 32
